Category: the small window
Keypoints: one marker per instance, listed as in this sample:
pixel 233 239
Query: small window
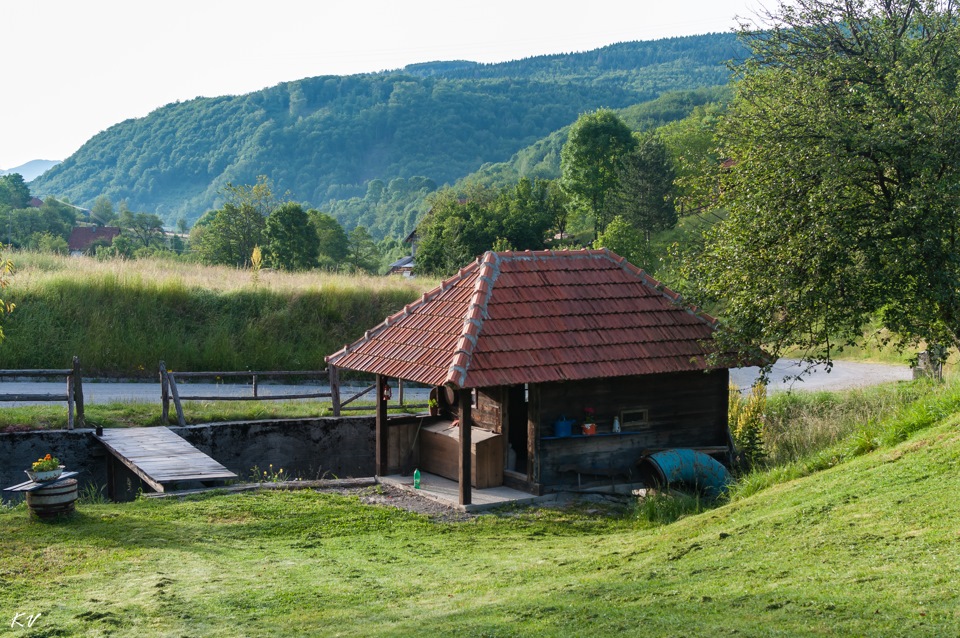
pixel 634 418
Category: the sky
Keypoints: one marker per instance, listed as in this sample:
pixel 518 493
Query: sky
pixel 72 69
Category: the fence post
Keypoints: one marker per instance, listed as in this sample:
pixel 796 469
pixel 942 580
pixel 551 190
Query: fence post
pixel 69 401
pixel 176 398
pixel 164 395
pixel 334 378
pixel 78 393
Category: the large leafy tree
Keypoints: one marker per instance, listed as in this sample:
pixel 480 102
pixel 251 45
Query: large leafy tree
pixel 590 161
pixel 462 225
pixel 291 243
pixel 844 190
pixel 14 192
pixel 146 227
pixel 228 235
pixel 332 241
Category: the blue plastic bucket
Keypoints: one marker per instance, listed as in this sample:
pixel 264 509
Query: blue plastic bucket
pixel 563 427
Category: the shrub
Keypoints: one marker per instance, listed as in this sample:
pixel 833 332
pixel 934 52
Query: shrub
pixel 746 418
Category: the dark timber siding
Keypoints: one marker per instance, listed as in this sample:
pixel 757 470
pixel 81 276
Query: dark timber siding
pixel 687 409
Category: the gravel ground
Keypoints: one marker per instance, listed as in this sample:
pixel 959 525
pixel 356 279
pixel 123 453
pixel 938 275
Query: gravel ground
pixel 392 496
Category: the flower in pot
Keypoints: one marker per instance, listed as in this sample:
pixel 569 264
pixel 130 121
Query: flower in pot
pixel 45 469
pixel 589 425
pixel 434 407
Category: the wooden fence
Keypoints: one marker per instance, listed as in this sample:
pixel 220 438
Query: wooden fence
pixel 170 390
pixel 73 395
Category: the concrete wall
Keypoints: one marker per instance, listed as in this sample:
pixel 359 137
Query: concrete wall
pixel 304 448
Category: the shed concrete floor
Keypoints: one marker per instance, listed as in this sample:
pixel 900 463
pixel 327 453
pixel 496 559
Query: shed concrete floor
pixel 447 492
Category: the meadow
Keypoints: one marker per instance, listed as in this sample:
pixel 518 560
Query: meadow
pixel 121 317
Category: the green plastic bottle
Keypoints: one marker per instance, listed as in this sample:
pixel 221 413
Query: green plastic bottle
pixel 416 479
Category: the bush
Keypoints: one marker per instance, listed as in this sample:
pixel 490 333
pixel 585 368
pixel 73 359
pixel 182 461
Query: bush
pixel 746 418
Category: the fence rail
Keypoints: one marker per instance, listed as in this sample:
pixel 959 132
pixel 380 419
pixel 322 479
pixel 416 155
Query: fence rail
pixel 170 390
pixel 73 395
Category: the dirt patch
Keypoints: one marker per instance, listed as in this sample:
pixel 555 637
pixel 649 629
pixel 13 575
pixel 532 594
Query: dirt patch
pixel 392 496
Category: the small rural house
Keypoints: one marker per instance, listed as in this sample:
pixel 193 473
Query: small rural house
pixel 526 348
pixel 82 238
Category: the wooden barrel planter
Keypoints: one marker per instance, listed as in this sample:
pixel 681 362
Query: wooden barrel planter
pixel 56 500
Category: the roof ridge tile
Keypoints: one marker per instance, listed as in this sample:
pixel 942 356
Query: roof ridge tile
pixel 476 313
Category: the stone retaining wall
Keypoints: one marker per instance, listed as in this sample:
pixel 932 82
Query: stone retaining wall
pixel 305 448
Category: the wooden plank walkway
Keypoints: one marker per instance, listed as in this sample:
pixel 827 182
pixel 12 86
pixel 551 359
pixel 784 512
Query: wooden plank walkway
pixel 161 458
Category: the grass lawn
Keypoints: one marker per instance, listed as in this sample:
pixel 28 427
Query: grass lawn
pixel 869 547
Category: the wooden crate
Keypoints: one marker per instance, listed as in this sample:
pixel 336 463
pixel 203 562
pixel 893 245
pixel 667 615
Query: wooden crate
pixel 440 454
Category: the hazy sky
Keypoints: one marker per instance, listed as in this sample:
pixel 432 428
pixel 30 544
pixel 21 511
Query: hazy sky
pixel 73 68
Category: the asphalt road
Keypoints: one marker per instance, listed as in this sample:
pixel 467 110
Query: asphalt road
pixel 845 374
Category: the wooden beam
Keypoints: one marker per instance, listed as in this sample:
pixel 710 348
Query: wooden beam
pixel 383 433
pixel 81 420
pixel 533 432
pixel 466 426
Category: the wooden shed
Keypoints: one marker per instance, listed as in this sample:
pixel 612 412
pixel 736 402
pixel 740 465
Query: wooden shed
pixel 522 346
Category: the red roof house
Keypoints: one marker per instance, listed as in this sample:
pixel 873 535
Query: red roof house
pixel 519 344
pixel 83 237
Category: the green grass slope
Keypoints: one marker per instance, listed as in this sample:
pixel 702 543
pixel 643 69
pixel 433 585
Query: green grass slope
pixel 867 548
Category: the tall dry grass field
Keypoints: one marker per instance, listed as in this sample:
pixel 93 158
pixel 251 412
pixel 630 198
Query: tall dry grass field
pixel 123 317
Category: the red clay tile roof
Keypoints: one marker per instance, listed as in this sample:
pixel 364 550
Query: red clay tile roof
pixel 81 237
pixel 534 317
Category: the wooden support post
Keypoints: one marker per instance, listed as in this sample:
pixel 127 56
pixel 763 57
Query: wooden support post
pixel 255 386
pixel 164 395
pixel 334 379
pixel 466 471
pixel 176 399
pixel 111 478
pixel 383 434
pixel 69 401
pixel 533 432
pixel 78 394
pixel 400 392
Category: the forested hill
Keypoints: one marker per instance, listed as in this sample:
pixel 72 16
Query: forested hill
pixel 325 138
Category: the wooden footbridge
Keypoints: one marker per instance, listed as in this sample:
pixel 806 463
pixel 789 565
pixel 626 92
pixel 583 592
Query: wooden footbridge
pixel 161 458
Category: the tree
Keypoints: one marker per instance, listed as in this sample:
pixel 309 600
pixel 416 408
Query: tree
pixel 101 213
pixel 14 192
pixel 331 239
pixel 146 227
pixel 693 150
pixel 622 237
pixel 362 252
pixel 291 243
pixel 843 192
pixel 590 159
pixel 643 194
pixel 230 235
pixel 462 225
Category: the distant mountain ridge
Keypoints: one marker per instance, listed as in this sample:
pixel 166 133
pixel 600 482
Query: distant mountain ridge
pixel 32 169
pixel 325 138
